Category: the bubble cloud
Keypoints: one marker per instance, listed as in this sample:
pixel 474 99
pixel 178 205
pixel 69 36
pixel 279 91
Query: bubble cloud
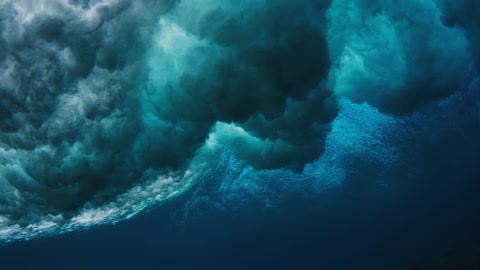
pixel 108 107
pixel 395 55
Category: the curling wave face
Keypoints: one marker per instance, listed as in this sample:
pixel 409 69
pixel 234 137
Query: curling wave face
pixel 110 107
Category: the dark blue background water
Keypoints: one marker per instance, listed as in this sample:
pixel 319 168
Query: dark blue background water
pixel 419 211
